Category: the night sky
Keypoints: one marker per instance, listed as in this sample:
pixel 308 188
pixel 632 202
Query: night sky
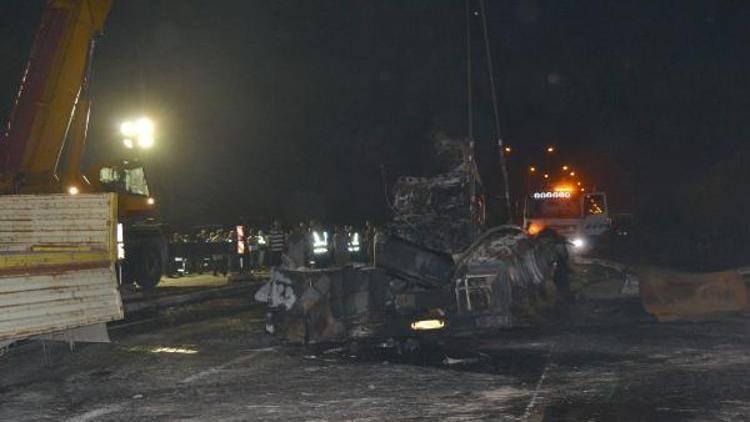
pixel 295 109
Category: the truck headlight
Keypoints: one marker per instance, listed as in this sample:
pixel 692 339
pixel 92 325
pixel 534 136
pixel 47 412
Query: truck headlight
pixel 427 324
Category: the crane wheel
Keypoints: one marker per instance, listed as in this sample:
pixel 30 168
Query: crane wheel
pixel 148 268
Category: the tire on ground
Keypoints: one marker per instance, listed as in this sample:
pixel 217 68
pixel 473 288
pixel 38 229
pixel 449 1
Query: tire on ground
pixel 148 264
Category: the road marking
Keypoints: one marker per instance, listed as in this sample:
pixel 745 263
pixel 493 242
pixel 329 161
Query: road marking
pixel 532 402
pixel 93 414
pixel 263 349
pixel 216 369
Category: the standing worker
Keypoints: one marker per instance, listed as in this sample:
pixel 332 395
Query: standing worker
pixel 355 248
pixel 318 241
pixel 262 247
pixel 252 249
pixel 276 243
pixel 370 242
pixel 341 255
pixel 298 250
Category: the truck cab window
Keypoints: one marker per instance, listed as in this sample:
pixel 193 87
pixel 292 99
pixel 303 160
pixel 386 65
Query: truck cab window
pixel 594 204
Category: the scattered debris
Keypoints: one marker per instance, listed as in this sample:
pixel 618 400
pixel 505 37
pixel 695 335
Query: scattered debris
pixel 672 295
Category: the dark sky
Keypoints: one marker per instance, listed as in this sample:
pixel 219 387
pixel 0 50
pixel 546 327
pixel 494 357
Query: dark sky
pixel 291 107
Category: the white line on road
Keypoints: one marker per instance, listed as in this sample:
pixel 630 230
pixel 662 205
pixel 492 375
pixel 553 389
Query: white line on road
pixel 217 369
pixel 93 414
pixel 532 402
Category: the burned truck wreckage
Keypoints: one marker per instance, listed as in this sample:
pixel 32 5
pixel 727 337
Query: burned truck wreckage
pixel 436 272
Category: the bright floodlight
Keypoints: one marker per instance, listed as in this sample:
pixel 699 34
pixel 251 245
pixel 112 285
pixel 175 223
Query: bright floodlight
pixel 73 190
pixel 144 126
pixel 145 141
pixel 139 132
pixel 127 128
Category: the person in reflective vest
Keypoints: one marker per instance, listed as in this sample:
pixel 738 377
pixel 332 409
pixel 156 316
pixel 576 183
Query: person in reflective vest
pixel 320 243
pixel 354 245
pixel 318 239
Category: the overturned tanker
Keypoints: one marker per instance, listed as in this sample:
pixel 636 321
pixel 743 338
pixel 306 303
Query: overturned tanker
pixel 432 274
pixel 503 280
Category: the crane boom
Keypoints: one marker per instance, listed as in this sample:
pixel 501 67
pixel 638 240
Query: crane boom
pixel 50 96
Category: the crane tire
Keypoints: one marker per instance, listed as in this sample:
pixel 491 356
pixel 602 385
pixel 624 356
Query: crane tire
pixel 148 268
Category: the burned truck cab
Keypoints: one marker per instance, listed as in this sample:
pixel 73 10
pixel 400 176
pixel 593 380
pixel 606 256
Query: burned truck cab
pixel 506 279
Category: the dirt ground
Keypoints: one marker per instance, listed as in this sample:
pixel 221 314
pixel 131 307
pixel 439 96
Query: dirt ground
pixel 213 362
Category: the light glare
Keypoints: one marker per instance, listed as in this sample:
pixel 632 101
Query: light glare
pixel 428 324
pixel 145 141
pixel 127 128
pixel 144 126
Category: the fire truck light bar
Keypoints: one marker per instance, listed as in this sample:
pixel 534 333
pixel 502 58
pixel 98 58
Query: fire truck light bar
pixel 552 195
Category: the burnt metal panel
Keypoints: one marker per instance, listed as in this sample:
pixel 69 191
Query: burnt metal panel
pixel 506 278
pixel 406 259
pixel 57 255
pixel 317 306
pixel 672 295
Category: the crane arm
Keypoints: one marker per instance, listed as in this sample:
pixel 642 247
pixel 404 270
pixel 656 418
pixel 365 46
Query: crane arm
pixel 50 91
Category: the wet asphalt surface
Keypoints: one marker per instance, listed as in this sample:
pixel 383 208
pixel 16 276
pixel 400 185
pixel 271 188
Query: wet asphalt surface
pixel 213 361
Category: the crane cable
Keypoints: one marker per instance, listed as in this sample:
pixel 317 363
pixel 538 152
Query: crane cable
pixel 493 95
pixel 469 83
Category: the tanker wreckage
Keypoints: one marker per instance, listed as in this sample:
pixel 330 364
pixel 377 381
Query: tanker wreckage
pixel 433 274
pixel 438 273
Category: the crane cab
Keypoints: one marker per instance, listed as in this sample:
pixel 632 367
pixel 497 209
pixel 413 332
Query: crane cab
pixel 128 180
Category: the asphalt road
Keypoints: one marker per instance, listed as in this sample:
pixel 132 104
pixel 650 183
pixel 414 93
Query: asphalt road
pixel 212 361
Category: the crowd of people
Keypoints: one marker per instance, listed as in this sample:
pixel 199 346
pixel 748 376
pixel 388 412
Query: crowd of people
pixel 220 250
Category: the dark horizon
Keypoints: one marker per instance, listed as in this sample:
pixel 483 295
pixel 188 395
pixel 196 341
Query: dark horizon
pixel 259 104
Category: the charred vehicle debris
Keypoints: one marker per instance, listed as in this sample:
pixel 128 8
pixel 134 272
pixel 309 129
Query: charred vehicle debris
pixel 436 273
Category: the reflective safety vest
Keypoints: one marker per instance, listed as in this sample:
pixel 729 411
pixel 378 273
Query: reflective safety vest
pixel 320 243
pixel 354 242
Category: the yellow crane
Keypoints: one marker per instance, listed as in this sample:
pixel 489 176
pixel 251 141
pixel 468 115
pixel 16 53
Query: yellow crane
pixel 43 142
